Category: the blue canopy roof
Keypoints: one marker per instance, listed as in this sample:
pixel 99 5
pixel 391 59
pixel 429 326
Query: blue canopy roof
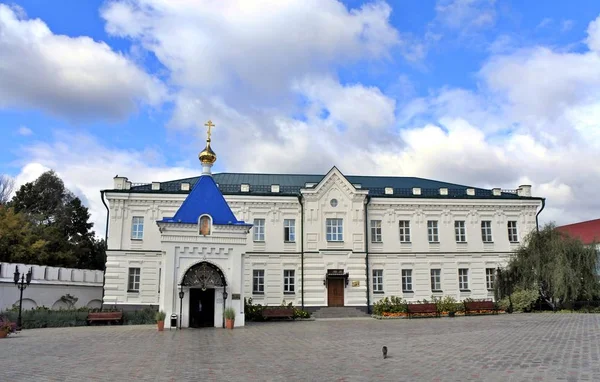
pixel 205 198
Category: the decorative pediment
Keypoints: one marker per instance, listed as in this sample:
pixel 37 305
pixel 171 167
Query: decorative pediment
pixel 333 177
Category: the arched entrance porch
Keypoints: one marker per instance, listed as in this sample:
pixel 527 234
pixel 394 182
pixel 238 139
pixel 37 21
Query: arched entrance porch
pixel 203 282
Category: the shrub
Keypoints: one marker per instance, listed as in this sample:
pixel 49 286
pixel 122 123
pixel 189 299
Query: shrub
pixel 299 313
pixel 144 316
pixel 392 304
pixel 522 300
pixel 253 312
pixel 43 317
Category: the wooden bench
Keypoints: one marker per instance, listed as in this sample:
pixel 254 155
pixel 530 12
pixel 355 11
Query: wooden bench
pixel 422 308
pixel 475 306
pixel 108 317
pixel 278 313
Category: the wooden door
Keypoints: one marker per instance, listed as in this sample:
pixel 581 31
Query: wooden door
pixel 335 292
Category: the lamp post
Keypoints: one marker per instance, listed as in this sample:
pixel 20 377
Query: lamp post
pixel 25 281
pixel 224 303
pixel 181 294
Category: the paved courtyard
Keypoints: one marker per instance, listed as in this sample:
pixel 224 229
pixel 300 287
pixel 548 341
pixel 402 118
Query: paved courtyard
pixel 518 347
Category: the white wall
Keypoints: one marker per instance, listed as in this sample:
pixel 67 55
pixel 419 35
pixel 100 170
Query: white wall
pixel 49 284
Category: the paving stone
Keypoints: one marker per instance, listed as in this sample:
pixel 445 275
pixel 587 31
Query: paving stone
pixel 518 347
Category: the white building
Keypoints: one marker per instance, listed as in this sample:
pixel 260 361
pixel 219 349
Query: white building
pixel 314 240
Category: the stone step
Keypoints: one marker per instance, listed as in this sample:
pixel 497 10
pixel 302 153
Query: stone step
pixel 338 312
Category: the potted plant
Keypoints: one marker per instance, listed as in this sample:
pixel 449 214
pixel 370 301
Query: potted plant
pixel 160 320
pixel 229 317
pixel 7 327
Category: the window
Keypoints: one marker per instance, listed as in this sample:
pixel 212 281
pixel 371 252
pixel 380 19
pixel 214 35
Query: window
pixel 289 230
pixel 463 279
pixel 486 231
pixel 288 281
pixel 134 280
pixel 460 232
pixel 205 225
pixel 375 231
pixel 436 280
pixel 333 203
pixel 259 229
pixel 405 231
pixel 377 280
pixel 335 230
pixel 407 280
pixel 513 237
pixel 432 231
pixel 137 228
pixel 490 274
pixel 258 281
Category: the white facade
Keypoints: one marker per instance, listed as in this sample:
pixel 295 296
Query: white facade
pixel 268 257
pixel 48 286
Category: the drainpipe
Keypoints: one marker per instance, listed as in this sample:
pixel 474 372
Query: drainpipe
pixel 537 227
pixel 367 200
pixel 106 249
pixel 301 247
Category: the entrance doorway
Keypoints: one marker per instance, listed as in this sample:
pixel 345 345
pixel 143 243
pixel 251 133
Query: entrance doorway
pixel 202 308
pixel 335 292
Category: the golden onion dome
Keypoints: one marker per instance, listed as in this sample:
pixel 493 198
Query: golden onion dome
pixel 207 155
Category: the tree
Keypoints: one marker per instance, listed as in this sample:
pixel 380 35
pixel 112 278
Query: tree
pixel 560 267
pixel 18 243
pixel 59 218
pixel 7 186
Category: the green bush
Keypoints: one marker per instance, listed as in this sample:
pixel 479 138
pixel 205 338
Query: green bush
pixel 144 316
pixel 43 317
pixel 253 312
pixel 392 304
pixel 522 300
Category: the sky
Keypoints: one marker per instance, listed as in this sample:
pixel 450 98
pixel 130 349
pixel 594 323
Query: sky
pixel 477 92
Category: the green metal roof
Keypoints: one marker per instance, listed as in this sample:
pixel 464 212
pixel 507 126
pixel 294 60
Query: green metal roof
pixel 290 185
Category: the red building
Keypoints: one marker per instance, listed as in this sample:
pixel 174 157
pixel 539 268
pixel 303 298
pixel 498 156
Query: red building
pixel 588 232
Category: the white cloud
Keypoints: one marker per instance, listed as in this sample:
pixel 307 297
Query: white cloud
pixel 252 49
pixel 87 167
pixel 72 77
pixel 24 130
pixel 466 15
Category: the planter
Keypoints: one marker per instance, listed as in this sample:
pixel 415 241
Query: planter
pixel 161 325
pixel 229 323
pixel 3 334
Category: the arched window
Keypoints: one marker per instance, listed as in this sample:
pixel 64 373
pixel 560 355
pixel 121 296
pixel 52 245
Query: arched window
pixel 205 225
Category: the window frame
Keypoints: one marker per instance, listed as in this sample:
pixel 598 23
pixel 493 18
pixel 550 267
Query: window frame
pixel 434 282
pixel 289 230
pixel 259 230
pixel 289 281
pixel 513 232
pixel 490 278
pixel 407 281
pixel 131 283
pixel 463 280
pixel 376 237
pixel 135 228
pixel 433 231
pixel 258 281
pixel 486 232
pixel 459 225
pixel 334 233
pixel 404 231
pixel 378 281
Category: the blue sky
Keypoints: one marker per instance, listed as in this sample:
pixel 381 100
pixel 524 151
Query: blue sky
pixel 488 93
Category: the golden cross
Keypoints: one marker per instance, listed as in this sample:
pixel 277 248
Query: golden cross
pixel 210 125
